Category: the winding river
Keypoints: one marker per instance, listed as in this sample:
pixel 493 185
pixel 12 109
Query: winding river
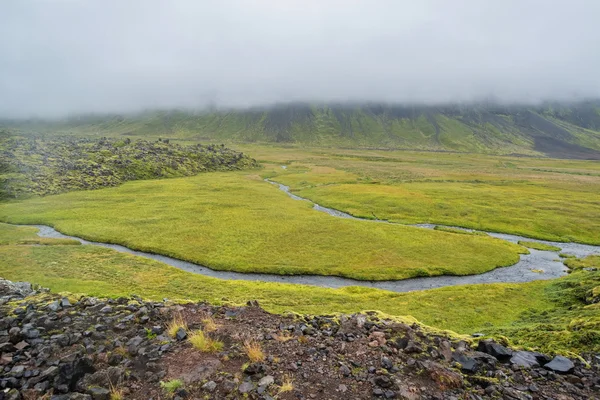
pixel 534 266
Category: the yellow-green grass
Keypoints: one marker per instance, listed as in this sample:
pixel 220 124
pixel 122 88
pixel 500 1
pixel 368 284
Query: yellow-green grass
pixel 539 211
pixel 10 234
pixel 578 263
pixel 540 198
pixel 493 308
pixel 204 342
pixel 536 197
pixel 236 221
pixel 539 246
pixel 458 230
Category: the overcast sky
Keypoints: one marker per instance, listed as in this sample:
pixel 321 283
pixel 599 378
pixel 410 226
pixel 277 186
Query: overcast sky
pixel 67 56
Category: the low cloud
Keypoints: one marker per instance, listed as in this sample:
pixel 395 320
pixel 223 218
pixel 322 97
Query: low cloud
pixel 67 56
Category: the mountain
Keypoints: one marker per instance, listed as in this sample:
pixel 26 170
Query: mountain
pixel 552 129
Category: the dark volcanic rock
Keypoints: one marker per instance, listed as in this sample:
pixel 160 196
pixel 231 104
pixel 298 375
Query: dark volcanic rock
pixel 494 349
pixel 467 364
pixel 524 359
pixel 560 364
pixel 63 354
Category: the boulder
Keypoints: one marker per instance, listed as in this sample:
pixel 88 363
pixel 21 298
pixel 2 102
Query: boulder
pixel 525 359
pixel 561 365
pixel 494 349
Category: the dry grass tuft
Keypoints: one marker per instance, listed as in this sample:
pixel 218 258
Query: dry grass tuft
pixel 254 351
pixel 175 324
pixel 283 337
pixel 204 343
pixel 209 324
pixel 287 385
pixel 116 393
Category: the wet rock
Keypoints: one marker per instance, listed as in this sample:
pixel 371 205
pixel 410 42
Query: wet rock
pixel 14 334
pixel 383 381
pixel 54 306
pixel 387 363
pixel 48 374
pixel 12 394
pixel 467 364
pixel 525 359
pixel 181 334
pixel 560 364
pixel 255 368
pixel 105 378
pixel 494 349
pixel 246 387
pixel 446 350
pixel 106 309
pixel 515 394
pixel 345 371
pixel 210 386
pixel 72 396
pixel 99 393
pixel 266 381
pixel 229 386
pixel 413 347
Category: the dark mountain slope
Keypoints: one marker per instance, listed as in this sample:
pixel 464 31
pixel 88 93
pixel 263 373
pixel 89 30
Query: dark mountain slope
pixel 568 131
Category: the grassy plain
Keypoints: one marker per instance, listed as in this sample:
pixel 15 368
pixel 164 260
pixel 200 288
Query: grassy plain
pixel 538 246
pixel 236 221
pixel 547 315
pixel 541 198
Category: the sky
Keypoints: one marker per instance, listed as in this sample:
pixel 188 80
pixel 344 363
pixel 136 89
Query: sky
pixel 64 57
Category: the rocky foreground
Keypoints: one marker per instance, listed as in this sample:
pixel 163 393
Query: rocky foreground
pixel 55 347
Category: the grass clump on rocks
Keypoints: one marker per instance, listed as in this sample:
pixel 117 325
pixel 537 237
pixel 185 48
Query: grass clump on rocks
pixel 203 342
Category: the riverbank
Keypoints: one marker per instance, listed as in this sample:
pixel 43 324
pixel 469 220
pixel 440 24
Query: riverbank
pixel 551 315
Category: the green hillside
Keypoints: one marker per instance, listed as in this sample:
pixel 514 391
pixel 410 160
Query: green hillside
pixel 563 131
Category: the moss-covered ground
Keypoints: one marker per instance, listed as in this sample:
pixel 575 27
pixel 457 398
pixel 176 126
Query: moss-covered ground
pixel 34 166
pixel 548 315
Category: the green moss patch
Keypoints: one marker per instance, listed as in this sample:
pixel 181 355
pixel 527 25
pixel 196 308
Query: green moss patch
pixel 539 246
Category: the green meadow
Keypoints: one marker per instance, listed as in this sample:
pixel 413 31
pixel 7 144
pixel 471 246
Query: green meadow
pixel 546 315
pixel 549 199
pixel 236 221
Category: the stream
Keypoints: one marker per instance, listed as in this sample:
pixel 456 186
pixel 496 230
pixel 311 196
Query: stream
pixel 537 265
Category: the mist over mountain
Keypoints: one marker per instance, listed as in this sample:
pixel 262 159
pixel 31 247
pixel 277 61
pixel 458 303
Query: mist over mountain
pixel 70 57
pixel 553 129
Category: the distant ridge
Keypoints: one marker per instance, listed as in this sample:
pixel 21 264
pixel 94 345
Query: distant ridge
pixel 552 129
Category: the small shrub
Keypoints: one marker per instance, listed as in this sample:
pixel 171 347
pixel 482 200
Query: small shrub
pixel 204 343
pixel 149 334
pixel 254 351
pixel 176 323
pixel 172 385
